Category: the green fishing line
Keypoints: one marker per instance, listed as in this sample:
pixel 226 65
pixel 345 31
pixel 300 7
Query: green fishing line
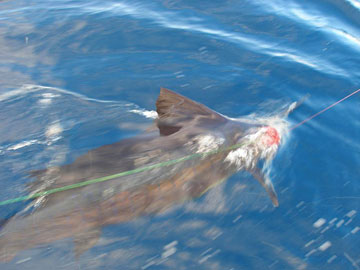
pixel 109 177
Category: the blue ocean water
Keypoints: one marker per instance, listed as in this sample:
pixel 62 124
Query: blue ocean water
pixel 76 75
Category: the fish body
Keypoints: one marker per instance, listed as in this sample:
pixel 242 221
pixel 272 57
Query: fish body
pixel 183 128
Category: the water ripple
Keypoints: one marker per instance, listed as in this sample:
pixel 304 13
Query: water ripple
pixel 194 24
pixel 314 18
pixel 354 3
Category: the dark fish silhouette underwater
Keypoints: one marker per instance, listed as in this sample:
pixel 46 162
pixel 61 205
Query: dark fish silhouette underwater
pixel 183 127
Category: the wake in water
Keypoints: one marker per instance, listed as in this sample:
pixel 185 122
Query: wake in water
pixel 50 111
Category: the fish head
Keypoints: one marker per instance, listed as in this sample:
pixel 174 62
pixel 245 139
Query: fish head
pixel 256 139
pixel 272 134
pixel 267 140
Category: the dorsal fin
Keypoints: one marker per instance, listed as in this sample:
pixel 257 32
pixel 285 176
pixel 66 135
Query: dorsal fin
pixel 176 111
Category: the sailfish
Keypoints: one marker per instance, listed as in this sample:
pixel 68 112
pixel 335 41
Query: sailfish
pixel 183 127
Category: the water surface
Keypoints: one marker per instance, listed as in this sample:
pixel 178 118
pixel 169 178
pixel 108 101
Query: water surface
pixel 76 75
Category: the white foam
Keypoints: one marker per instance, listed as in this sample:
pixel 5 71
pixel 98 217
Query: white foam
pixel 300 204
pixel 23 260
pixel 354 3
pixel 355 230
pixel 207 143
pixel 351 213
pixel 242 157
pixel 167 253
pixel 31 88
pixel 45 101
pixel 169 250
pixel 22 144
pixel 319 222
pixel 171 244
pixel 325 246
pixel 205 258
pixel 325 229
pixel 47 98
pixel 333 220
pixel 146 113
pixel 50 95
pixel 53 130
pixel 237 218
pixel 331 259
pixel 340 223
pixel 52 133
pixel 309 243
pixel 310 253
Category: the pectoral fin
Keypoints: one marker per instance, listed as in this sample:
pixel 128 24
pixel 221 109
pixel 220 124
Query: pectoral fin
pixel 265 181
pixel 85 241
